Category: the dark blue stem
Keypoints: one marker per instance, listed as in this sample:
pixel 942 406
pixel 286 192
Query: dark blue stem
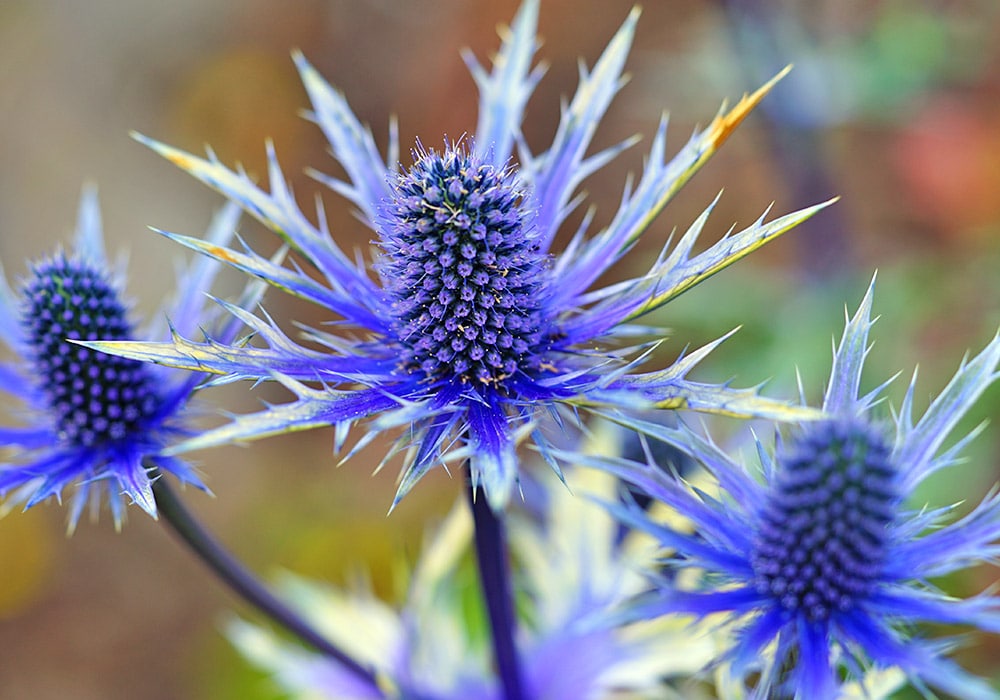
pixel 244 583
pixel 494 577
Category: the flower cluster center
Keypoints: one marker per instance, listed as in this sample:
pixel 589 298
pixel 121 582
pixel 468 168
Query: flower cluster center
pixel 463 270
pixel 95 397
pixel 821 540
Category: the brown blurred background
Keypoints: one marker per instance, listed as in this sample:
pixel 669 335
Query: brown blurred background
pixel 893 105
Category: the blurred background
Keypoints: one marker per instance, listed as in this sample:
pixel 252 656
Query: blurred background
pixel 893 105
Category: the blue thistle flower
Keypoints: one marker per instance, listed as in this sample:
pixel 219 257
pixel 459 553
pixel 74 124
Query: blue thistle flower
pixel 94 398
pixel 92 420
pixel 463 275
pixel 823 556
pixel 470 329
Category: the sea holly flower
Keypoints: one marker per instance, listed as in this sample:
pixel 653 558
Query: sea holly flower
pixel 574 567
pixel 823 565
pixel 468 328
pixel 90 420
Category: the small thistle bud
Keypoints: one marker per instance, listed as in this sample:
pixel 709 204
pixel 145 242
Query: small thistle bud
pixel 464 274
pixel 821 541
pixel 95 398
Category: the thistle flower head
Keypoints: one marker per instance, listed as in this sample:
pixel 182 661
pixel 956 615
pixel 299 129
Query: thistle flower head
pixel 825 557
pixel 94 398
pixel 463 272
pixel 89 420
pixel 821 539
pixel 466 332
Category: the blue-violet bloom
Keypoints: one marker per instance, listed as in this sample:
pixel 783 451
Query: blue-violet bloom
pixel 91 420
pixel 467 328
pixel 821 564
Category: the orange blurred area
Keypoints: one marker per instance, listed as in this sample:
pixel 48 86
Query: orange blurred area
pixel 107 616
pixel 28 549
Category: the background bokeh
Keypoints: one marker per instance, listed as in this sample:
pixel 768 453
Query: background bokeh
pixel 893 105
